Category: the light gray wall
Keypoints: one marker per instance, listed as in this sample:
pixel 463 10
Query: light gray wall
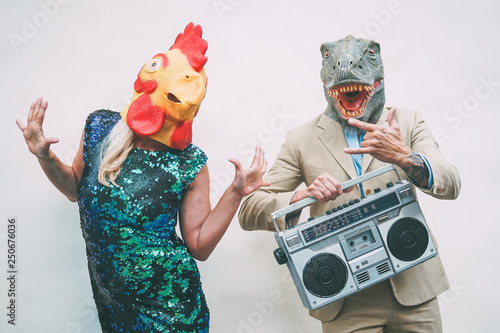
pixel 440 57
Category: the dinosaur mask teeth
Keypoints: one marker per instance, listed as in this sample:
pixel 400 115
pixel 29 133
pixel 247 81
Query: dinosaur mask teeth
pixel 352 99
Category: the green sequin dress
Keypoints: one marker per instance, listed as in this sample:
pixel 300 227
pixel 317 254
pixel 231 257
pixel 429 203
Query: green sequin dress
pixel 143 277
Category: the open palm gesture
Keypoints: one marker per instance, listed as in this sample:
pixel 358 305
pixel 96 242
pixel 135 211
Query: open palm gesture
pixel 38 144
pixel 249 180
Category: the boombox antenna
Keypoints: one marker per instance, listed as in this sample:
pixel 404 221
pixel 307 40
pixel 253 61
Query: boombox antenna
pixel 350 183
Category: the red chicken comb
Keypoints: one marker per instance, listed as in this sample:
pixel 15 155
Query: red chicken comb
pixel 192 46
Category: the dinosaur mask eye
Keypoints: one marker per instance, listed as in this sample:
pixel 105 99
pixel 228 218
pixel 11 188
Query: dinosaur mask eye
pixel 154 65
pixel 371 51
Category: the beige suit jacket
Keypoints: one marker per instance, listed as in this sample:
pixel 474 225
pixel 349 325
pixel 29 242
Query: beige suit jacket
pixel 317 147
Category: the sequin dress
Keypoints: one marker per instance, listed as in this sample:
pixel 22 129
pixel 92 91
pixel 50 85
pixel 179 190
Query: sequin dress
pixel 143 278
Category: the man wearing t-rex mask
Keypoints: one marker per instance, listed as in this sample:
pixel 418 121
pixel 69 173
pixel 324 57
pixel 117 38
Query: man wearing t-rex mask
pixel 357 134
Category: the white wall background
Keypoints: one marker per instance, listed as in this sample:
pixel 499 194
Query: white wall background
pixel 440 57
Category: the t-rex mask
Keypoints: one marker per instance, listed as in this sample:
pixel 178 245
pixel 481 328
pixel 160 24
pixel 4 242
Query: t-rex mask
pixel 353 79
pixel 169 90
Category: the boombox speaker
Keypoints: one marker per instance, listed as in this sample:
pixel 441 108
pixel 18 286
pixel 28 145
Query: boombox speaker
pixel 356 245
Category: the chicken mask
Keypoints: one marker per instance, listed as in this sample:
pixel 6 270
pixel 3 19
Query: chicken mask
pixel 169 90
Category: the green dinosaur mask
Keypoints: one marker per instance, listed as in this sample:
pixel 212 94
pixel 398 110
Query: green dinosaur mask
pixel 353 79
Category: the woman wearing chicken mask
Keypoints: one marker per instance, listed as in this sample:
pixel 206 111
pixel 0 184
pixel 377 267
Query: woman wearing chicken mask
pixel 133 173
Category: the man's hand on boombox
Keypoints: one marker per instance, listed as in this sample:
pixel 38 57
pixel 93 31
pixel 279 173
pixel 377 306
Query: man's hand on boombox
pixel 324 188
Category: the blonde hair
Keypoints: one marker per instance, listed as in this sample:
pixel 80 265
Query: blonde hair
pixel 114 152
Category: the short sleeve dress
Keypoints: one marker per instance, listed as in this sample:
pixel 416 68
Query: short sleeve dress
pixel 143 277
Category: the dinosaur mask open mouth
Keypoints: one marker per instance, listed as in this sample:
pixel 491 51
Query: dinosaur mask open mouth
pixel 352 98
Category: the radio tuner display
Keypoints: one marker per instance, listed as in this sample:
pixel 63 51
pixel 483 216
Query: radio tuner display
pixel 358 213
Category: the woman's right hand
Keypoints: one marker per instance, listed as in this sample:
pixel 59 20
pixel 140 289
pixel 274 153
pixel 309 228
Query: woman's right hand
pixel 37 143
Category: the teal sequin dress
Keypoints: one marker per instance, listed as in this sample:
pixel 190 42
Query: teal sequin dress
pixel 143 277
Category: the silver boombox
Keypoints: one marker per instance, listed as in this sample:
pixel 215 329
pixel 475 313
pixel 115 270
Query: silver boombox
pixel 356 245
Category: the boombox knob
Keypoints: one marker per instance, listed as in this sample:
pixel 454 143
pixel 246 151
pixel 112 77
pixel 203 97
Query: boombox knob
pixel 280 256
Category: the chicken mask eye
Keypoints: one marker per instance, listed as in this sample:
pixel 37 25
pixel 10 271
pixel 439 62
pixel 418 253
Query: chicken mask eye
pixel 154 65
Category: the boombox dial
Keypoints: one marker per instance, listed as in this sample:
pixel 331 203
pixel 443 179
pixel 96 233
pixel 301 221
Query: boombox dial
pixel 280 256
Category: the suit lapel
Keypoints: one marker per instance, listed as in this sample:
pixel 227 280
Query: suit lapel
pixel 333 138
pixel 333 134
pixel 367 159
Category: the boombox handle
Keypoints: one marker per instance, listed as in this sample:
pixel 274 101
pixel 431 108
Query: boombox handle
pixel 350 183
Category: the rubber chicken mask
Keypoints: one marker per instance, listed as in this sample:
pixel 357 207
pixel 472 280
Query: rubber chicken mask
pixel 169 90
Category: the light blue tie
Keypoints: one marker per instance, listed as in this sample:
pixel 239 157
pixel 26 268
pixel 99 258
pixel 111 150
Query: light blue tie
pixel 351 136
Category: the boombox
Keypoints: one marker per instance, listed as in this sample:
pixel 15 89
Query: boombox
pixel 356 245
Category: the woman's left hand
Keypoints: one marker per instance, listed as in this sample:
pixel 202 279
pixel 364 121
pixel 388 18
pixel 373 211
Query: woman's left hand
pixel 249 180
